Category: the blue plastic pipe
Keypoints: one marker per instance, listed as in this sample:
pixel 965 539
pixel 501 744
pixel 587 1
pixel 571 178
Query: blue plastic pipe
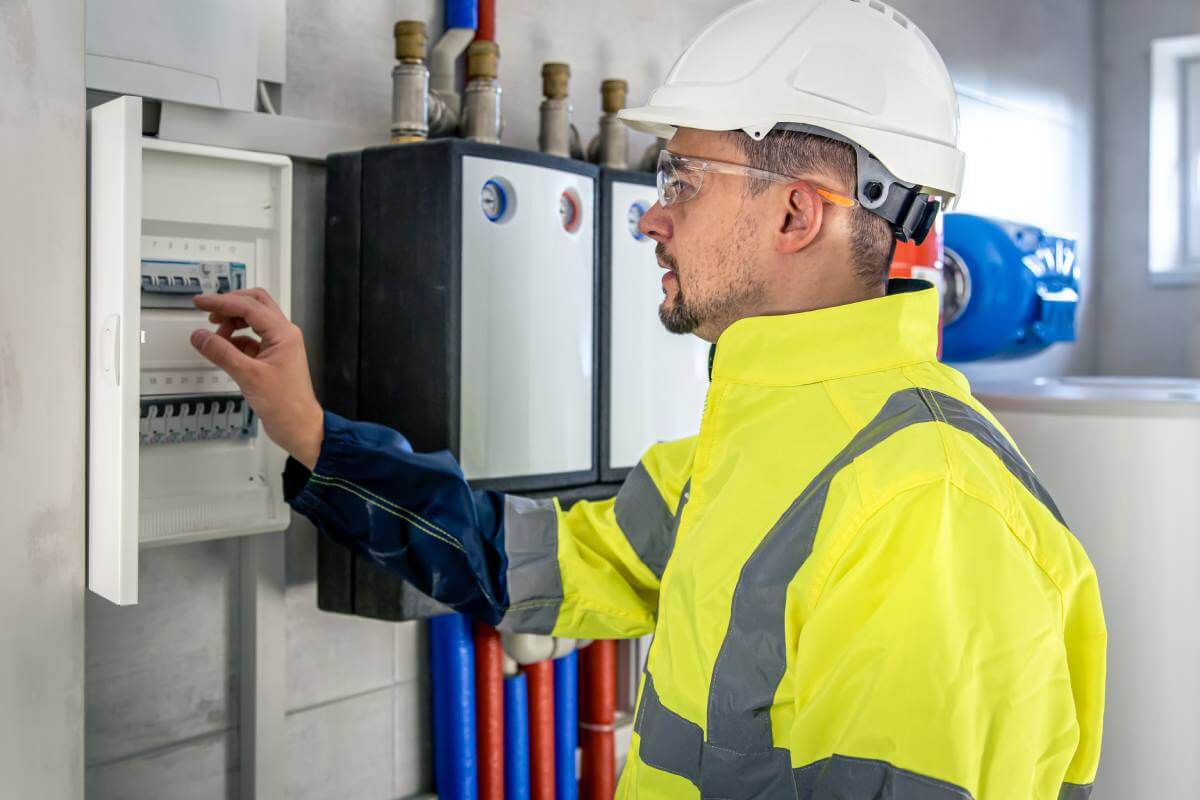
pixel 566 726
pixel 516 739
pixel 462 14
pixel 452 662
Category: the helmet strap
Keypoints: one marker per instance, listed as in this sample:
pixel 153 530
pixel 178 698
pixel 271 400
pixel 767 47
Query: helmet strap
pixel 910 211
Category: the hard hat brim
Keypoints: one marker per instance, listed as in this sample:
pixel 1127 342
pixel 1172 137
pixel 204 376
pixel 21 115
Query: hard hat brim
pixel 941 165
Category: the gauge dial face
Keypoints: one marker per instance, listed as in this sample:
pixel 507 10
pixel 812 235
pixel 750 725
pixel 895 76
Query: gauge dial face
pixel 493 200
pixel 636 210
pixel 568 211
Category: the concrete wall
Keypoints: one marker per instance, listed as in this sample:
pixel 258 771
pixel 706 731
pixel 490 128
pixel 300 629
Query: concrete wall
pixel 162 683
pixel 42 373
pixel 1144 329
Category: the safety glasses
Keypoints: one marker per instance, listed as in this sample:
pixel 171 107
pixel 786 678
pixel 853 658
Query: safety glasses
pixel 680 179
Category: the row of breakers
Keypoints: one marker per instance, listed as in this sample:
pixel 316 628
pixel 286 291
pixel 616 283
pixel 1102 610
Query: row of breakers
pixel 191 419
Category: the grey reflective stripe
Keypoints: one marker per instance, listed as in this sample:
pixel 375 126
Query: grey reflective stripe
pixel 645 519
pixel 842 776
pixel 669 742
pixel 684 496
pixel 753 657
pixel 765 775
pixel 1074 791
pixel 739 751
pixel 535 590
pixel 960 415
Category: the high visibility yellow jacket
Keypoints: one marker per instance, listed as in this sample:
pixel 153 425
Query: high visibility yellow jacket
pixel 857 587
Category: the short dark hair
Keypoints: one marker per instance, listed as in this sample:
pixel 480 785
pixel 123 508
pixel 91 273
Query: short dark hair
pixel 872 242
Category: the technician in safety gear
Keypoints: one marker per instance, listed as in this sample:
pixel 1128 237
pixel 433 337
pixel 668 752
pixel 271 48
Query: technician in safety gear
pixel 857 586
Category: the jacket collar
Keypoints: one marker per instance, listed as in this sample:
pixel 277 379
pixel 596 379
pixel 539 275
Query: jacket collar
pixel 829 343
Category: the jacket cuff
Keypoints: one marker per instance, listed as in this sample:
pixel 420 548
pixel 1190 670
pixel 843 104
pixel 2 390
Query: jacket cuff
pixel 295 478
pixel 335 448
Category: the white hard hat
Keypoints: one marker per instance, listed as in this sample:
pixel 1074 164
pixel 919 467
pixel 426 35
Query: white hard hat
pixel 853 70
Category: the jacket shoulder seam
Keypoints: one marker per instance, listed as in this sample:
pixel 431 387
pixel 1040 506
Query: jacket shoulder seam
pixel 950 479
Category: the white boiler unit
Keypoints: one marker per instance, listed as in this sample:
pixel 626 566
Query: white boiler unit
pixel 461 311
pixel 1121 457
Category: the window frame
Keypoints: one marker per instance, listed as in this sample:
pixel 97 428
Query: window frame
pixel 1168 242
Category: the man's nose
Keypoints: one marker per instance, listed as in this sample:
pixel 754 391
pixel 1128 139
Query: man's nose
pixel 656 223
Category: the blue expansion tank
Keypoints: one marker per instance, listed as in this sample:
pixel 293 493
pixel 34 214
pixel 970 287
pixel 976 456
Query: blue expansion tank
pixel 1011 290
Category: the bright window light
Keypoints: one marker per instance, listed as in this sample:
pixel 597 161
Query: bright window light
pixel 1175 160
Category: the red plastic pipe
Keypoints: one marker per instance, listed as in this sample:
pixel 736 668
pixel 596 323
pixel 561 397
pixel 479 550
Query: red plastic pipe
pixel 598 710
pixel 489 711
pixel 487 21
pixel 541 729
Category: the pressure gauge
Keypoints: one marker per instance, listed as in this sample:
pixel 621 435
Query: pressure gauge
pixel 636 210
pixel 493 199
pixel 568 211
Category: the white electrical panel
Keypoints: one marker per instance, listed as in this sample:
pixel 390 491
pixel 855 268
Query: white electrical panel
pixel 658 380
pixel 175 453
pixel 528 268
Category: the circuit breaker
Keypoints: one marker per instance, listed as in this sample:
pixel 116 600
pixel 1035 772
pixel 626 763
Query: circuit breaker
pixel 461 310
pixel 175 452
pixel 653 383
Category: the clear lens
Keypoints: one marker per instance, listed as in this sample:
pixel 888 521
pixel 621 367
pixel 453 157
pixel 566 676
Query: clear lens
pixel 676 183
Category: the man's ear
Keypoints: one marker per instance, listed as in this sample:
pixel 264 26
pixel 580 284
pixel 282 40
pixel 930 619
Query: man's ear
pixel 803 214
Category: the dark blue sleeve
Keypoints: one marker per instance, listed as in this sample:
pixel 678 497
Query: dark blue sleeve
pixel 411 513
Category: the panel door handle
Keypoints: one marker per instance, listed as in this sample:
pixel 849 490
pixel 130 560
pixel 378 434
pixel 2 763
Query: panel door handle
pixel 110 348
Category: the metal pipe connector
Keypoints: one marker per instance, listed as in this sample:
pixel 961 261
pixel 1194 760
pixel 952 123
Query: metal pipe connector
pixel 482 120
pixel 410 102
pixel 410 40
pixel 554 135
pixel 610 148
pixel 612 95
pixel 410 84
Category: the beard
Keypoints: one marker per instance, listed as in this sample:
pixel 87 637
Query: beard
pixel 675 315
pixel 742 292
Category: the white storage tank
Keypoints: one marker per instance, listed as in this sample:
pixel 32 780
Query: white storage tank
pixel 1121 457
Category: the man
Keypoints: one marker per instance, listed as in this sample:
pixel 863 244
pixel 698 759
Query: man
pixel 858 588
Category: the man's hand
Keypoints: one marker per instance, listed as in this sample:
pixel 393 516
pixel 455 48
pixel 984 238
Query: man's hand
pixel 272 373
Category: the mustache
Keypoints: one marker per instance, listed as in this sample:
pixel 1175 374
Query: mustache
pixel 660 251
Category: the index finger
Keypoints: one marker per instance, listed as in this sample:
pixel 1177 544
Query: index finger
pixel 261 295
pixel 262 319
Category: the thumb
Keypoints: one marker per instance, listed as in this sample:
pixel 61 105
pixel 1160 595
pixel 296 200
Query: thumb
pixel 220 352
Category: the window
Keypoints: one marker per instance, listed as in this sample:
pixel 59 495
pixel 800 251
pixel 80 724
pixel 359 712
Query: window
pixel 1175 160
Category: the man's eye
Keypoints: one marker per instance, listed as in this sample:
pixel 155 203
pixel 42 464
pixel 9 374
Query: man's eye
pixel 682 182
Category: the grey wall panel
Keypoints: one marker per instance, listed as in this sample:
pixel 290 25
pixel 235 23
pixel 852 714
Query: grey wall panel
pixel 42 384
pixel 413 726
pixel 412 650
pixel 1144 329
pixel 343 751
pixel 198 769
pixel 331 656
pixel 165 670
